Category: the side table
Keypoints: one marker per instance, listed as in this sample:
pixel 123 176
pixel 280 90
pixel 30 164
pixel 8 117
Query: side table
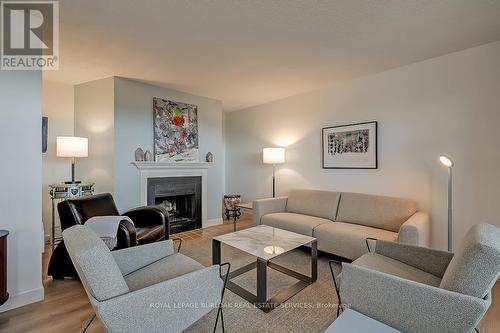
pixel 65 191
pixel 245 206
pixel 4 295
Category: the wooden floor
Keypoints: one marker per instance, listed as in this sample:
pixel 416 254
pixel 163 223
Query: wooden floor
pixel 66 307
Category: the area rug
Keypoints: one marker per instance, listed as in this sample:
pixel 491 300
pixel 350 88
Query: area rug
pixel 311 310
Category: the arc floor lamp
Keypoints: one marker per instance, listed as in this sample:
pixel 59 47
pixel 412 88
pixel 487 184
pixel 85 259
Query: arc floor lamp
pixel 448 162
pixel 273 156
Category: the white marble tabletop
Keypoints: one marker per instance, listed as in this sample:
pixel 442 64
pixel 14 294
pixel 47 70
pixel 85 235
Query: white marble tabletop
pixel 264 241
pixel 351 321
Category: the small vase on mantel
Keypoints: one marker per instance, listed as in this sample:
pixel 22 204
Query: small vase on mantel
pixel 148 157
pixel 209 157
pixel 139 155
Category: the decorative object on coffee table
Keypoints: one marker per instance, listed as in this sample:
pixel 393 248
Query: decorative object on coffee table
pixel 74 147
pixel 273 156
pixel 447 162
pixel 266 243
pixel 4 295
pixel 351 146
pixel 175 131
pixel 139 155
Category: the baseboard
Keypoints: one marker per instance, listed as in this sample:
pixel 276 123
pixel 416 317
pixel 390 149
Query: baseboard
pixel 22 299
pixel 212 222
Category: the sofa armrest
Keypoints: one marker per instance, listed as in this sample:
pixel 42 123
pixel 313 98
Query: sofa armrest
pixel 133 258
pixel 428 260
pixel 416 230
pixel 169 306
pixel 267 206
pixel 407 305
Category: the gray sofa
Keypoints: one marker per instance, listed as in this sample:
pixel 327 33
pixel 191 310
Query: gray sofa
pixel 341 221
pixel 420 290
pixel 146 288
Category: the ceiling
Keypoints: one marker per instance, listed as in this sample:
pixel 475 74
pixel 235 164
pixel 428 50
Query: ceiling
pixel 248 52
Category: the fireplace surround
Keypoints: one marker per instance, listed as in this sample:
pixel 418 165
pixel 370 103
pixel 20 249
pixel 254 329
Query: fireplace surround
pixel 152 170
pixel 181 197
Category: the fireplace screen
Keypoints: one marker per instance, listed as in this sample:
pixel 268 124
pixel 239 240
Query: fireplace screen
pixel 181 197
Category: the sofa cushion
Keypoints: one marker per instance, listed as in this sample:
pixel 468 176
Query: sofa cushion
pixel 94 263
pixel 391 266
pixel 313 202
pixel 375 211
pixel 346 239
pixel 162 270
pixel 299 223
pixel 475 267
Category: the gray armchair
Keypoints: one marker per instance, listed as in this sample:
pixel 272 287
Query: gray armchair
pixel 146 288
pixel 416 289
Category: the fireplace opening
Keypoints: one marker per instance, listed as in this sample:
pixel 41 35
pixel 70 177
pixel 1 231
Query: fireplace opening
pixel 181 197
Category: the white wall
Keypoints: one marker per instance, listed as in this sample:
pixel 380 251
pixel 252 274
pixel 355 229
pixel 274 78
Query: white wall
pixel 445 105
pixel 116 114
pixel 94 119
pixel 21 174
pixel 134 128
pixel 58 106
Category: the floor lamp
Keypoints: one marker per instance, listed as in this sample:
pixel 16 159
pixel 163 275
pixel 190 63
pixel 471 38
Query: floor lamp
pixel 273 156
pixel 447 162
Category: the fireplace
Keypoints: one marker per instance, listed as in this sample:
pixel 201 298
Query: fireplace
pixel 181 197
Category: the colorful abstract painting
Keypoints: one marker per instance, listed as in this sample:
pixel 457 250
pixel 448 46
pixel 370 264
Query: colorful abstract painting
pixel 175 131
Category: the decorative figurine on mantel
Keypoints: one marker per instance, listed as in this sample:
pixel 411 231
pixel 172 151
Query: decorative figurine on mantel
pixel 139 155
pixel 148 157
pixel 209 157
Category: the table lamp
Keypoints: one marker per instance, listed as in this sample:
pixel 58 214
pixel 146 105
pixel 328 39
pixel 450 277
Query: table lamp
pixel 273 156
pixel 447 162
pixel 72 146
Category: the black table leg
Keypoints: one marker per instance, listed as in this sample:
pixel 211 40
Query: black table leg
pixel 234 220
pixel 216 253
pixel 314 261
pixel 261 282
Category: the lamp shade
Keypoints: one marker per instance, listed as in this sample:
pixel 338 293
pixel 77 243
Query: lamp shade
pixel 446 161
pixel 72 146
pixel 273 155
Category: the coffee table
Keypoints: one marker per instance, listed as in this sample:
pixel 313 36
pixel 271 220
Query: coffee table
pixel 266 243
pixel 351 321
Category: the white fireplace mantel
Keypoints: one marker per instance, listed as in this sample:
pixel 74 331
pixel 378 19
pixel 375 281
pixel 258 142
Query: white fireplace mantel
pixel 172 165
pixel 179 169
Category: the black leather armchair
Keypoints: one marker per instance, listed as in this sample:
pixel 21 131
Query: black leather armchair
pixel 150 225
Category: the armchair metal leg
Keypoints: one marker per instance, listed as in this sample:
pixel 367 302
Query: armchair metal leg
pixel 90 322
pixel 368 245
pixel 476 330
pixel 335 283
pixel 219 311
pixel 180 243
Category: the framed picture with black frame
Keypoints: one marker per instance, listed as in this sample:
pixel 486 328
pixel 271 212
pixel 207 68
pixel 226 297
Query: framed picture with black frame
pixel 352 146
